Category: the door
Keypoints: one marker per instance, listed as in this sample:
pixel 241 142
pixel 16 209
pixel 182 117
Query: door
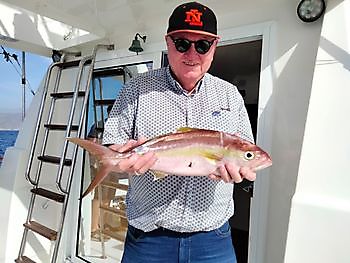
pixel 102 219
pixel 239 63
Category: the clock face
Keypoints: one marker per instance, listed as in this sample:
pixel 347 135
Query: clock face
pixel 310 10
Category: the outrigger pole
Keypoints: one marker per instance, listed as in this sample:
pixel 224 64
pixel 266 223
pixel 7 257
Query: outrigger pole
pixel 23 85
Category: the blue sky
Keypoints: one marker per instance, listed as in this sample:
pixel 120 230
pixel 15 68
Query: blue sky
pixel 10 79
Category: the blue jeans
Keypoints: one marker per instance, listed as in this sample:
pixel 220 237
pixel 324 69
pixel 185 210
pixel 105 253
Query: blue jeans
pixel 165 246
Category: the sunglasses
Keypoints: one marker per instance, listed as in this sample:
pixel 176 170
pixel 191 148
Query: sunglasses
pixel 202 46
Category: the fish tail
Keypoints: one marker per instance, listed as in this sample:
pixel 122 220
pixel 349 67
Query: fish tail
pixel 100 152
pixel 93 148
pixel 100 175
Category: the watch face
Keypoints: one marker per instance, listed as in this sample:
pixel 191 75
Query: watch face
pixel 310 10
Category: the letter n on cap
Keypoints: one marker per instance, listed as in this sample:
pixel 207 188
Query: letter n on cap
pixel 193 17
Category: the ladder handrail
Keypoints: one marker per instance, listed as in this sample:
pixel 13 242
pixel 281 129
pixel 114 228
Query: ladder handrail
pixel 49 119
pixel 38 121
pixel 32 149
pixel 82 115
pixel 75 151
pixel 70 122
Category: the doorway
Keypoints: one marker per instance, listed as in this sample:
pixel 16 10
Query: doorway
pixel 102 216
pixel 240 64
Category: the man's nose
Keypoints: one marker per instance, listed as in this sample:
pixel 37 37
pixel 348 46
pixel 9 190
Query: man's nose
pixel 192 50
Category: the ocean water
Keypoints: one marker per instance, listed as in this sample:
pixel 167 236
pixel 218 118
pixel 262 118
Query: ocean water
pixel 7 139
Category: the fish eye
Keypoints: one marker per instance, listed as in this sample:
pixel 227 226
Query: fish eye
pixel 249 155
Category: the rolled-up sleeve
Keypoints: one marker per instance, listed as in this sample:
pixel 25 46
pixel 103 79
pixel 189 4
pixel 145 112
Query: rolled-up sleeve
pixel 120 124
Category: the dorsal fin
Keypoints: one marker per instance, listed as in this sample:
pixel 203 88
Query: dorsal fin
pixel 187 129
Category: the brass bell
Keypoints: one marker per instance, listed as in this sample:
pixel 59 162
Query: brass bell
pixel 136 45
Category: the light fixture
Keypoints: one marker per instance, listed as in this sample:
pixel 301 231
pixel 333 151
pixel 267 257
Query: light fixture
pixel 56 56
pixel 310 10
pixel 136 45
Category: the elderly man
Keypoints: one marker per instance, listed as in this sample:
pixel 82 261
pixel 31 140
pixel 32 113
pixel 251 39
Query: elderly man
pixel 179 218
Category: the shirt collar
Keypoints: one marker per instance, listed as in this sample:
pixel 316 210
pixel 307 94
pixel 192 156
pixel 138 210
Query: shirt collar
pixel 177 86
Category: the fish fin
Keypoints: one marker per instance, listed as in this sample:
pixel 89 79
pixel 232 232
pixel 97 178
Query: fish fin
pixel 99 151
pixel 212 157
pixel 100 175
pixel 158 175
pixel 187 129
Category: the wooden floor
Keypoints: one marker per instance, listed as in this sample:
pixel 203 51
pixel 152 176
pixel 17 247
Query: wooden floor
pixel 113 251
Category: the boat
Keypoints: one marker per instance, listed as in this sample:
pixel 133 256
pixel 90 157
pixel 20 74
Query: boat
pixel 291 69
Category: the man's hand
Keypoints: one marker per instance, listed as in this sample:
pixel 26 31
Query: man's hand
pixel 135 164
pixel 231 173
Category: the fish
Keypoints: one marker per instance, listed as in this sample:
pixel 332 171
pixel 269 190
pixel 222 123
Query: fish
pixel 186 152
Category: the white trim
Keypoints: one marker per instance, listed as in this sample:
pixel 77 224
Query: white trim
pixel 260 201
pixel 259 204
pixel 125 57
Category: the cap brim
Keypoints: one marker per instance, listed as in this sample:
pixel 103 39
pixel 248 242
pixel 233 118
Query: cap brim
pixel 193 31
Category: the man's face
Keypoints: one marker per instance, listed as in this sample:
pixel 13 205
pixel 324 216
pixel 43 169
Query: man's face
pixel 189 66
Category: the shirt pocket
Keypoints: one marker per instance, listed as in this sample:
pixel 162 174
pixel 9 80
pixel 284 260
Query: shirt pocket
pixel 221 119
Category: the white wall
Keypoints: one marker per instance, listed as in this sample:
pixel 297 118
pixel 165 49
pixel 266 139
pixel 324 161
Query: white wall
pixel 319 223
pixel 14 189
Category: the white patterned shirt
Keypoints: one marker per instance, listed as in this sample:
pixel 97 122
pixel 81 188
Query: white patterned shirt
pixel 154 103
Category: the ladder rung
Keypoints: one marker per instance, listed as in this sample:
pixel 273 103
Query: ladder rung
pixel 99 130
pixel 60 127
pixel 48 194
pixel 68 64
pixel 115 185
pixel 112 210
pixel 104 102
pixel 64 95
pixel 24 259
pixel 41 230
pixel 109 72
pixel 118 235
pixel 54 159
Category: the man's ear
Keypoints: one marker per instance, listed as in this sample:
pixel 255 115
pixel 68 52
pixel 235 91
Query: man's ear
pixel 215 44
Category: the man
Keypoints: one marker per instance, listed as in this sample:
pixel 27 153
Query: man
pixel 179 218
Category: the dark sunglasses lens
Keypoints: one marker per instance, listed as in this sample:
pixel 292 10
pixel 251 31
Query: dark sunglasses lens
pixel 202 46
pixel 182 45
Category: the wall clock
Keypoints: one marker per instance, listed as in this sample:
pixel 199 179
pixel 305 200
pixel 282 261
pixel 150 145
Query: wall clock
pixel 310 10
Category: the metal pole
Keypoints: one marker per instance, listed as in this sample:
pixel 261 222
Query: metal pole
pixel 23 85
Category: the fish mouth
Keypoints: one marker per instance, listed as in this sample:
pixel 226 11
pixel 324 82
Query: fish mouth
pixel 265 162
pixel 263 166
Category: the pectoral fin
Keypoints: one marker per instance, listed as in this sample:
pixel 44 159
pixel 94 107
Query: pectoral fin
pixel 158 175
pixel 211 156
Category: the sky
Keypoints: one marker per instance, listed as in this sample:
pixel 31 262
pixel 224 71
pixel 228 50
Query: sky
pixel 10 79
